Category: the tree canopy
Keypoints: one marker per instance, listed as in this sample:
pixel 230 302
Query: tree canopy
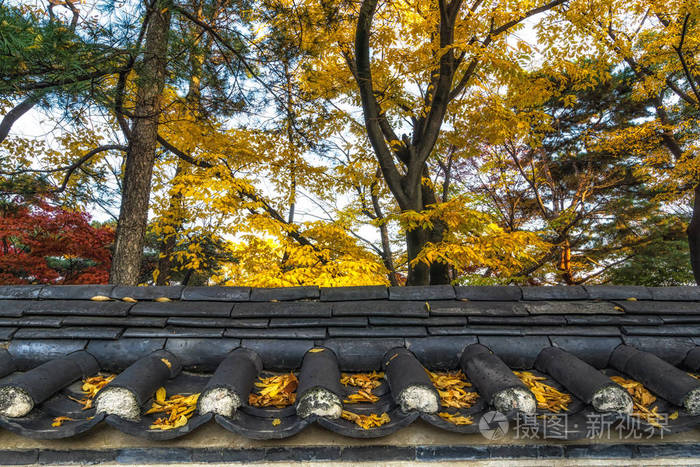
pixel 274 143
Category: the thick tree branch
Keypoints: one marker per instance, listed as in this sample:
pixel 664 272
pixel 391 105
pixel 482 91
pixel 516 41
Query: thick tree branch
pixel 370 107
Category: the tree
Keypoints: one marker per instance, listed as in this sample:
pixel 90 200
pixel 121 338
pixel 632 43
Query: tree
pixel 45 244
pixel 659 43
pixel 451 40
pixel 143 135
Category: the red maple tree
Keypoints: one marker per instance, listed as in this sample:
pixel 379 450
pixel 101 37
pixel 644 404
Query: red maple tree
pixel 42 243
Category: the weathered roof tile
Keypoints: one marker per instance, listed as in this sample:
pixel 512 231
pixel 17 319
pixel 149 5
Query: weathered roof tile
pixel 381 308
pixel 434 292
pixel 19 292
pixel 217 322
pixel 198 354
pixel 13 308
pixel 147 293
pixel 339 294
pixel 459 308
pixel 70 332
pixel 432 321
pixel 30 353
pixel 618 292
pixel 379 331
pixel 74 292
pixel 214 294
pixel 208 309
pixel 516 353
pixel 284 293
pixel 474 330
pixel 685 293
pixel 173 331
pixel 659 308
pixel 557 292
pixel 115 355
pixel 569 307
pixel 319 322
pixel 488 292
pixel 276 333
pixel 361 355
pixel 281 310
pixel 33 321
pixel 77 307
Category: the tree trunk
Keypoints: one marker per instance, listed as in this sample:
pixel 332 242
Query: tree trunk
pixel 418 274
pixel 694 236
pixel 133 214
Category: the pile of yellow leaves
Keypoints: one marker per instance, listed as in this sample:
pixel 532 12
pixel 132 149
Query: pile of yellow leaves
pixel 276 391
pixel 366 382
pixel 366 421
pixel 456 418
pixel 450 386
pixel 91 386
pixel 179 409
pixel 547 397
pixel 642 399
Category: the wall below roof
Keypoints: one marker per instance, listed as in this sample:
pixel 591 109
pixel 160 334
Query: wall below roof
pixel 422 441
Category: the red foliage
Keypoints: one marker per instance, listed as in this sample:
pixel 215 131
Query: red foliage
pixel 40 243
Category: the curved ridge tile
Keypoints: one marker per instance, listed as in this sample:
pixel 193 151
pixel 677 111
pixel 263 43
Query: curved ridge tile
pixel 183 383
pixel 37 425
pixel 399 419
pixel 141 428
pixel 253 427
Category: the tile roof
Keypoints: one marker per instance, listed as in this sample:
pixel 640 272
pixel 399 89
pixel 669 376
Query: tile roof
pixel 653 335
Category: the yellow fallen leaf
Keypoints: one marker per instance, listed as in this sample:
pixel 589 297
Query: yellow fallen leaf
pixel 160 395
pixel 129 299
pixel 631 299
pixel 316 350
pixel 276 422
pixel 167 362
pixel 100 298
pixel 58 421
pixel 673 416
pixel 162 299
pixel 456 419
pixel 547 397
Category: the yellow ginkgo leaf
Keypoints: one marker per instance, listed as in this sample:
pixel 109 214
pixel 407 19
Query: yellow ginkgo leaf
pixel 162 299
pixel 100 298
pixel 160 395
pixel 129 300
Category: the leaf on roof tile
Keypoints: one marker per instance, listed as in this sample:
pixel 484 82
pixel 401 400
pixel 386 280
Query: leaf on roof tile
pixel 450 387
pixel 58 421
pixel 163 299
pixel 90 387
pixel 178 409
pixel 276 422
pixel 366 422
pixel 129 300
pixel 643 399
pixel 100 298
pixel 275 391
pixel 455 418
pixel 548 398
